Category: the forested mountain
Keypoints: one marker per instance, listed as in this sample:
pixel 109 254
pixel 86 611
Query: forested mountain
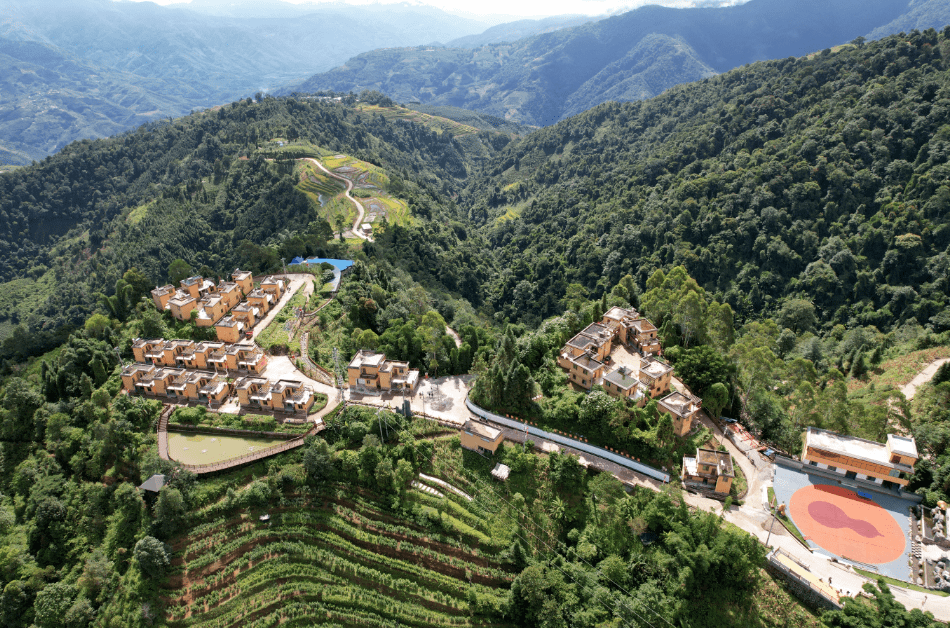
pixel 73 224
pixel 92 68
pixel 545 78
pixel 823 177
pixel 49 98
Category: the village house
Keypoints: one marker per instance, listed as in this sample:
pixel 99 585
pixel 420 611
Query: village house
pixel 134 373
pixel 197 356
pixel 709 470
pixel 371 373
pixel 141 347
pixel 156 383
pixel 247 314
pixel 230 293
pixel 286 395
pixel 622 383
pixel 583 370
pixel 245 357
pixel 181 305
pixel 889 464
pixel 200 387
pixel 644 337
pixel 480 438
pixel 260 299
pixel 161 295
pixel 211 309
pixel 657 376
pixel 229 329
pixel 244 280
pixel 682 409
pixel 167 354
pixel 197 286
pixel 273 285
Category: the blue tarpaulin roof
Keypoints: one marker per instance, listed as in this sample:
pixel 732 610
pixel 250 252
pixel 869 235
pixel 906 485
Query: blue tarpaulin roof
pixel 339 264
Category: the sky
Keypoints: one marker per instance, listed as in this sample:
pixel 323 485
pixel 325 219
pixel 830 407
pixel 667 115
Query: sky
pixel 493 10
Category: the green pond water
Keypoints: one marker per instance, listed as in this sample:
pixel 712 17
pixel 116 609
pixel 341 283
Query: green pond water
pixel 205 449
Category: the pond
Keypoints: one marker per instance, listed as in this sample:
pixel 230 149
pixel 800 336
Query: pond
pixel 206 449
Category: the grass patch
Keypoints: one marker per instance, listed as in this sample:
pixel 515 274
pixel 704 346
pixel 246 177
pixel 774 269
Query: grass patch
pixel 899 371
pixel 899 583
pixel 274 336
pixel 137 214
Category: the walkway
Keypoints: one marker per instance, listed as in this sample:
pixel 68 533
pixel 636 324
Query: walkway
pixel 922 378
pixel 358 224
pixel 570 442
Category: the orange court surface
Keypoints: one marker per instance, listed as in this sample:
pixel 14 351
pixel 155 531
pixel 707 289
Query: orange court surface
pixel 839 521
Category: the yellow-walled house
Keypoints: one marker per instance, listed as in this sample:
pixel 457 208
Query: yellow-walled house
pixel 286 395
pixel 244 279
pixel 181 305
pixel 197 356
pixel 172 349
pixel 229 329
pixel 370 372
pixel 709 469
pixel 197 286
pixel 158 382
pixel 622 383
pixel 245 357
pixel 645 336
pixel 247 314
pixel 656 376
pixel 890 464
pixel 211 309
pixel 200 387
pixel 274 286
pixel 146 350
pixel 134 373
pixel 584 370
pixel 481 438
pixel 682 408
pixel 262 300
pixel 161 295
pixel 230 293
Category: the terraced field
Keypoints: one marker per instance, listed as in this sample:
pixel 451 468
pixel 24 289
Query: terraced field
pixel 437 123
pixel 334 559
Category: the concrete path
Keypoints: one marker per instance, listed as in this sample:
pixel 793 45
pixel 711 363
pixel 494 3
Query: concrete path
pixel 358 223
pixel 923 377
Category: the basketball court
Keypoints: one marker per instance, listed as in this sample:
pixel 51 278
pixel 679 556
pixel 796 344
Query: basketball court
pixel 858 525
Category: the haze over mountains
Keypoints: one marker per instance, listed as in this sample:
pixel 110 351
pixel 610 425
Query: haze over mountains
pixel 92 68
pixel 548 77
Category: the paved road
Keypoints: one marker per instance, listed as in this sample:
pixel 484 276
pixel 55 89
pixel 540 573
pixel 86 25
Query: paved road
pixel 357 225
pixel 455 335
pixel 923 377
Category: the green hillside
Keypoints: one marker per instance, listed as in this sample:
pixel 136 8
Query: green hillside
pixel 820 178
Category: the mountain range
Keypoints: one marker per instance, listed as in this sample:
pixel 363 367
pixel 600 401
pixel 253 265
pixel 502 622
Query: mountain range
pixel 93 68
pixel 548 77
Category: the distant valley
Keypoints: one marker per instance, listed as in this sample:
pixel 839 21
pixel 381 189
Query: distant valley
pixel 548 77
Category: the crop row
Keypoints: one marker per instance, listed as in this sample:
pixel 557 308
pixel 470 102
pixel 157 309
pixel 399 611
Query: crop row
pixel 225 607
pixel 406 541
pixel 335 544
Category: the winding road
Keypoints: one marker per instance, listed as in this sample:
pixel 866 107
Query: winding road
pixel 922 378
pixel 357 231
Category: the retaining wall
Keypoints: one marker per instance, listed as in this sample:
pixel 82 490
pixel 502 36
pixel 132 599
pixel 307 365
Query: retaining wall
pixel 569 442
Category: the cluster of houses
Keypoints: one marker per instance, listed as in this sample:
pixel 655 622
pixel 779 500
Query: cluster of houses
pixel 188 372
pixel 220 305
pixel 371 373
pixel 585 358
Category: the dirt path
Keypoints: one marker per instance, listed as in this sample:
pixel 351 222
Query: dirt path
pixel 357 231
pixel 922 378
pixel 455 336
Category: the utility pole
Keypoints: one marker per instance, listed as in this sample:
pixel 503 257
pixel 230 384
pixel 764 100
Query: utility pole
pixel 284 261
pixel 336 370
